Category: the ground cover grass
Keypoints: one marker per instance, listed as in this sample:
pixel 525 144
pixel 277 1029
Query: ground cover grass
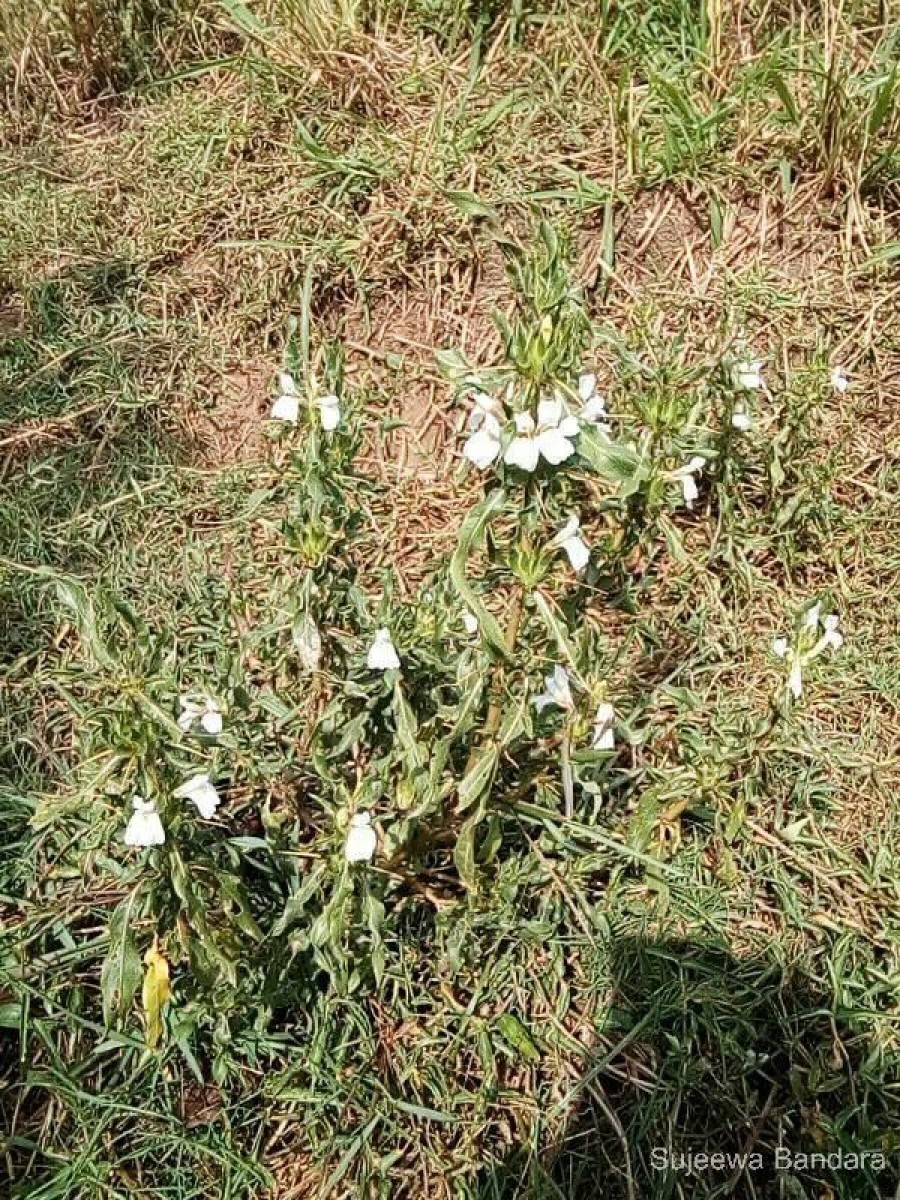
pixel 705 956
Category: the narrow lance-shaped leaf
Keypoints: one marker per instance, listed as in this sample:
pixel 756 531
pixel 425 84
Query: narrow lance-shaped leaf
pixel 471 536
pixel 120 975
pixel 408 730
pixel 556 628
pixel 464 852
pixel 477 781
pixel 74 596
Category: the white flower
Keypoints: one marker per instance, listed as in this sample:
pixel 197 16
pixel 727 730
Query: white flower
pixel 557 691
pixel 523 451
pixel 361 839
pixel 781 648
pixel 308 641
pixel 329 412
pixel 840 380
pixel 603 727
pixel 483 444
pixel 795 679
pixel 470 622
pixel 831 636
pixel 550 439
pixel 382 656
pixel 201 792
pixel 287 406
pixel 144 827
pixel 798 657
pixel 741 419
pixel 208 713
pixel 570 540
pixel 749 375
pixel 593 406
pixel 686 475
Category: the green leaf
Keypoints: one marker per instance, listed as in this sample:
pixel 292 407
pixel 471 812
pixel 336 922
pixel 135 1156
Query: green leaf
pixel 514 1032
pixel 613 461
pixel 245 20
pixel 120 975
pixel 608 252
pixel 470 206
pixel 477 781
pixel 408 731
pixel 674 540
pixel 374 910
pixel 883 104
pixel 453 366
pixel 296 904
pixel 558 631
pixel 779 83
pixel 73 596
pixel 464 851
pixel 471 535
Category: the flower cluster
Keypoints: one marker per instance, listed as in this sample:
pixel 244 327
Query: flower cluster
pixel 522 439
pixel 808 643
pixel 145 827
pixel 558 692
pixel 287 404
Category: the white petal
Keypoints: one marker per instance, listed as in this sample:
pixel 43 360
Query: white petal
pixel 207 804
pixel 482 448
pixel 362 840
pixel 202 793
pixel 286 408
pixel 554 446
pixel 831 621
pixel 840 380
pixel 382 656
pixel 741 421
pixel 524 422
pixel 568 530
pixel 144 827
pixel 780 647
pixel 604 738
pixel 187 718
pixel 470 622
pixel 594 412
pixel 211 721
pixel 185 790
pixel 330 413
pixel 286 385
pixel 550 413
pixel 487 403
pixel 695 464
pixel 522 452
pixel 749 374
pixel 795 680
pixel 544 700
pixel 569 426
pixel 558 689
pixel 811 620
pixel 690 490
pixel 833 639
pixel 587 384
pixel 578 552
